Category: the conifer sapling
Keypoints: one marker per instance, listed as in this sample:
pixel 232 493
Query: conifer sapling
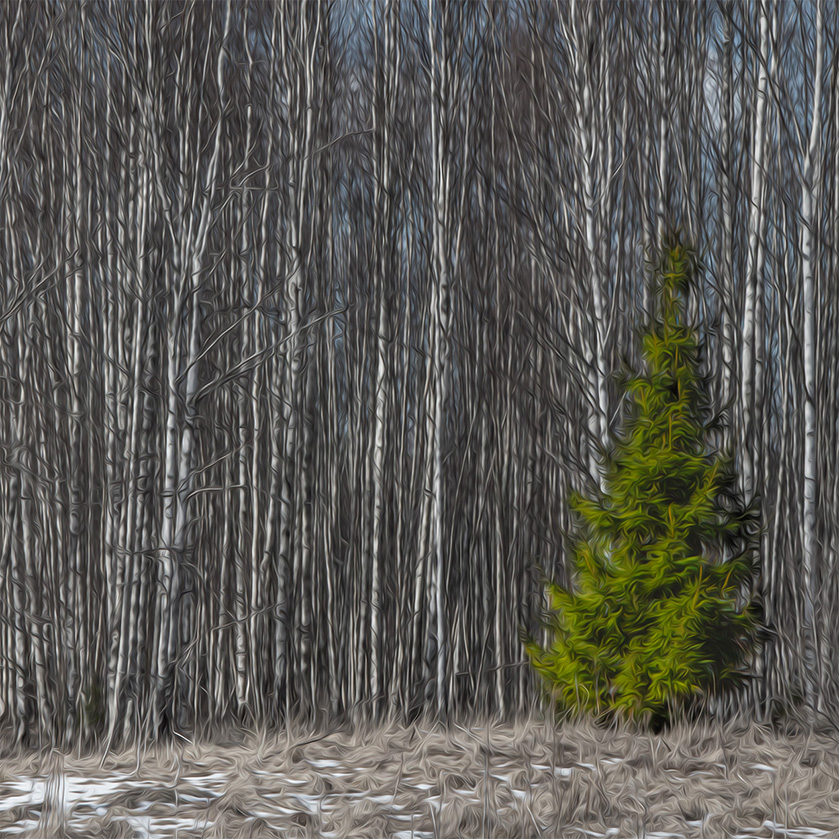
pixel 662 558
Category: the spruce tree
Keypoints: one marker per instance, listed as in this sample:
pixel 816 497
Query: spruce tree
pixel 659 611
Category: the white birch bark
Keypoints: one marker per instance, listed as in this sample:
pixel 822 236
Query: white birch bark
pixel 384 113
pixel 810 195
pixel 594 350
pixel 664 112
pixel 129 561
pixel 440 319
pixel 726 102
pixel 754 266
pixel 297 199
pixel 178 457
pixel 75 417
pixel 247 411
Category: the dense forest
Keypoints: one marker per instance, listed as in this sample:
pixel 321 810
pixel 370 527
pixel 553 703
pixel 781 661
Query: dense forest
pixel 308 320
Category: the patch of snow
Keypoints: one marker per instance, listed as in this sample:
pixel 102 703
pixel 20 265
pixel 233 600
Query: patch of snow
pixel 32 791
pixel 214 778
pixel 310 802
pixel 323 763
pixel 796 832
pixel 23 826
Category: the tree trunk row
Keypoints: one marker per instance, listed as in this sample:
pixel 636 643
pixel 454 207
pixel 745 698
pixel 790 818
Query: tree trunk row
pixel 308 315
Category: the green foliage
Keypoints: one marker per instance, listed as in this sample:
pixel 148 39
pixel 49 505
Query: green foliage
pixel 661 559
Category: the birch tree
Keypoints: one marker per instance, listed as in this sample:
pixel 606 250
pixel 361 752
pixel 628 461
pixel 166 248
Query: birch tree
pixel 308 315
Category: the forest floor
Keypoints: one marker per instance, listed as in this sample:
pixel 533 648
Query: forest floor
pixel 491 781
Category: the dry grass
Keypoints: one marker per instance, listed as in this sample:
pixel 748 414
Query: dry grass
pixel 490 781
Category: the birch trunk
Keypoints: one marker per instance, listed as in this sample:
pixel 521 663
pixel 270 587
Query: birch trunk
pixel 811 183
pixel 754 267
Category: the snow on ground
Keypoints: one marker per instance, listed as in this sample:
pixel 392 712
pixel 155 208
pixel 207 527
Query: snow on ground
pixel 495 781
